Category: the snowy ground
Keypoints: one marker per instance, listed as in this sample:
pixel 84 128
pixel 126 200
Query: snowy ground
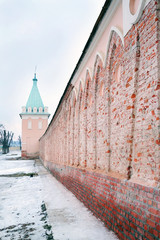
pixel 35 206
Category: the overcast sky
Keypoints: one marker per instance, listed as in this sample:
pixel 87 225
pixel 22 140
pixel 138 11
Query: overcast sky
pixel 48 33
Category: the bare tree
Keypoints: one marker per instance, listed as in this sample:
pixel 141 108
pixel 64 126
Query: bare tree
pixel 20 142
pixel 1 133
pixel 7 138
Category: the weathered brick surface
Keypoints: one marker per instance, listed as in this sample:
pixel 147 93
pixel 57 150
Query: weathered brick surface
pixel 104 141
pixel 129 209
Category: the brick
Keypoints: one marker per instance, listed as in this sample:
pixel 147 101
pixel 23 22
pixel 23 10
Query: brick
pixel 98 140
pixel 151 223
pixel 153 211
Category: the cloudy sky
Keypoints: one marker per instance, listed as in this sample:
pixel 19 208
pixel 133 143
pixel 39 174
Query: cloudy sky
pixel 48 33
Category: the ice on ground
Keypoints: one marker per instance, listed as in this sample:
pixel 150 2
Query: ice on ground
pixel 69 218
pixel 21 201
pixel 11 155
pixel 20 209
pixel 13 166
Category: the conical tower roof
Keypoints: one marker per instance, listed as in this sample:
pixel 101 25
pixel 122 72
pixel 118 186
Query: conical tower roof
pixel 34 105
pixel 34 99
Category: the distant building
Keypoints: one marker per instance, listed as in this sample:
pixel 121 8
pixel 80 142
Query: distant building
pixel 34 122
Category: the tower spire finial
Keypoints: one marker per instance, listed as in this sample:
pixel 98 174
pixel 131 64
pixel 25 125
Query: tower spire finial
pixel 35 72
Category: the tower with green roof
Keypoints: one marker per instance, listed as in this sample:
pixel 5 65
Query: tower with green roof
pixel 34 122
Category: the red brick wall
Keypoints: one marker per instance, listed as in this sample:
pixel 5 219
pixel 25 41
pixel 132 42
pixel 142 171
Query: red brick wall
pixel 103 143
pixel 131 210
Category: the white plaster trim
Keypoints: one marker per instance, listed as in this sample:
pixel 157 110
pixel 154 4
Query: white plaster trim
pixel 146 2
pixel 135 18
pixel 128 18
pixel 105 22
pixel 34 117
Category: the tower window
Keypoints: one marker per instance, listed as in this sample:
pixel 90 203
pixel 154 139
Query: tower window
pixel 40 109
pixel 29 124
pixel 34 109
pixel 45 109
pixel 40 125
pixel 29 109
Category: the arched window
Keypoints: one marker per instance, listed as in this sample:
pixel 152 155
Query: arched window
pixel 29 109
pixel 29 124
pixel 45 109
pixel 133 6
pixel 40 124
pixel 34 109
pixel 40 109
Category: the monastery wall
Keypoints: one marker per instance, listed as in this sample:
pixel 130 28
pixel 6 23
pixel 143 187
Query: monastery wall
pixel 103 142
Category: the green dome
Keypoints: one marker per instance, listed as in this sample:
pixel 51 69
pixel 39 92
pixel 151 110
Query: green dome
pixel 34 99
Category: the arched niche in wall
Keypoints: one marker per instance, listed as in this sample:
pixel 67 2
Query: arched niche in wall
pixel 98 67
pixel 78 116
pixel 101 90
pixel 73 126
pixel 87 115
pixel 74 98
pixel 87 86
pixel 114 103
pixel 92 111
pixel 69 127
pixel 113 30
pixel 99 63
pixel 115 38
pixel 97 107
pixel 80 96
pixel 81 126
pixel 97 78
pixel 88 75
pixel 117 72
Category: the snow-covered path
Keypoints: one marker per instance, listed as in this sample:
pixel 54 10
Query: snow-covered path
pixel 35 206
